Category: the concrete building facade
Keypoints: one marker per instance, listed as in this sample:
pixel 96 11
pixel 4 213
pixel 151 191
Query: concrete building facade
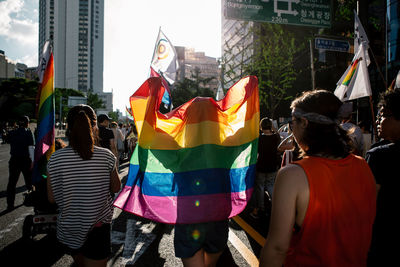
pixel 9 69
pixel 107 98
pixel 76 29
pixel 191 61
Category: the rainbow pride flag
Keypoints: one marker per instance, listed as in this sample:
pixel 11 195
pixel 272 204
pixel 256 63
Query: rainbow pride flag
pixel 46 116
pixel 354 83
pixel 350 73
pixel 197 162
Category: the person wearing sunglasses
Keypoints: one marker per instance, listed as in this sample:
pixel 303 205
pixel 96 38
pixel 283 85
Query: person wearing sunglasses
pixel 383 159
pixel 323 206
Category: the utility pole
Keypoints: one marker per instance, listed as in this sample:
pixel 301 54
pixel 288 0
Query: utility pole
pixel 60 116
pixel 312 65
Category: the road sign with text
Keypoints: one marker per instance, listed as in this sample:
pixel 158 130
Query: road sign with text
pixel 332 45
pixel 315 13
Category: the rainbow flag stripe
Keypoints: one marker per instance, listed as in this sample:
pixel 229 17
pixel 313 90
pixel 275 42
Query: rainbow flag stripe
pixel 197 162
pixel 46 121
pixel 351 72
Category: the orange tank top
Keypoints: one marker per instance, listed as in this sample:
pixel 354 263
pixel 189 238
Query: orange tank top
pixel 337 228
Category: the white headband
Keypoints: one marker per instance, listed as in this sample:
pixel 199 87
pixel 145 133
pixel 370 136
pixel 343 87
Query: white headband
pixel 313 117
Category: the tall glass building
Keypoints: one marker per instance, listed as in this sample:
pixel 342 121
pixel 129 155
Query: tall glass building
pixel 393 38
pixel 76 29
pixel 237 48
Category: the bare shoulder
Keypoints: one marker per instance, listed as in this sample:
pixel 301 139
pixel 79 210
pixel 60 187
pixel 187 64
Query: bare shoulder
pixel 291 171
pixel 291 174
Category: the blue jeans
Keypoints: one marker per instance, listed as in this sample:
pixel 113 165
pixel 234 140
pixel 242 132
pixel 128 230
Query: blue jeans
pixel 264 181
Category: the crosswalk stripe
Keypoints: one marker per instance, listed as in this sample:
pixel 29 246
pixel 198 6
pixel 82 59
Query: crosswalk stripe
pixel 242 249
pixel 250 230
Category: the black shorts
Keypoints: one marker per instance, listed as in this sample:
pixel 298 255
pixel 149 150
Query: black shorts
pixel 97 245
pixel 190 238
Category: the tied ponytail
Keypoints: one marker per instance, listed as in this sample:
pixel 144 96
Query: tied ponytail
pixel 80 135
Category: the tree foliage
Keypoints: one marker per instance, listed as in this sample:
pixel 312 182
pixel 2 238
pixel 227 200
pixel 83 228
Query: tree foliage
pixel 17 98
pixel 94 100
pixel 187 89
pixel 344 10
pixel 343 23
pixel 64 93
pixel 273 64
pixel 113 115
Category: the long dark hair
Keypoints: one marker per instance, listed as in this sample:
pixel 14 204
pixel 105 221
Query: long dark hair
pixel 81 119
pixel 323 139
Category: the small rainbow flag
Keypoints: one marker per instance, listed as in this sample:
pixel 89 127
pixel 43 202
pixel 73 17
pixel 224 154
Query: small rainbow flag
pixel 350 73
pixel 354 83
pixel 46 116
pixel 197 162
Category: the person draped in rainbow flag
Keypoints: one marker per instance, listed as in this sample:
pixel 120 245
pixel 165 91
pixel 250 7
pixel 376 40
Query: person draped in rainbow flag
pixel 193 165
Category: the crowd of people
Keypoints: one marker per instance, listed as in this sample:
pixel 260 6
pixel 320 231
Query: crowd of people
pixel 332 197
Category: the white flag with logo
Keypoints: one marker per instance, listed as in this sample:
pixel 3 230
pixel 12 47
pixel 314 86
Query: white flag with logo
pixel 165 60
pixel 44 59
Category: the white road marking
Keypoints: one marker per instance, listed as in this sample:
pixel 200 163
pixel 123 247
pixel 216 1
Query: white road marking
pixel 246 253
pixel 13 224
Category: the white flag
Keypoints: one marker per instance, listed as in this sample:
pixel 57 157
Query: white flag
pixel 44 59
pixel 220 93
pixel 165 60
pixel 397 83
pixel 360 37
pixel 355 81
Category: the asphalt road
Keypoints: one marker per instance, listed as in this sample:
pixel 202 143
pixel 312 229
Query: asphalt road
pixel 135 241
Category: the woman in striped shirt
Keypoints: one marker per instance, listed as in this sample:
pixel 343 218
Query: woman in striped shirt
pixel 81 177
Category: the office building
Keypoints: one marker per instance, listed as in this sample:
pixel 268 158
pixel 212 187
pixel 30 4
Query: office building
pixel 393 38
pixel 191 61
pixel 31 73
pixel 236 42
pixel 7 67
pixel 10 69
pixel 107 98
pixel 76 29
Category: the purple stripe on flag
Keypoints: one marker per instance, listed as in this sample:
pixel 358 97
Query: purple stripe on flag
pixel 44 144
pixel 188 209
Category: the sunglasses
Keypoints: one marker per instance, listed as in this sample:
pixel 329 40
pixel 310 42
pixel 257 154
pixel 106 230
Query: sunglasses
pixel 290 123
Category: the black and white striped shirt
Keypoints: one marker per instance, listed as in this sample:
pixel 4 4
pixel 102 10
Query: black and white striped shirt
pixel 81 189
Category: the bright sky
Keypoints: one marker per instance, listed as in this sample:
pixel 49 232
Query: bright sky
pixel 130 32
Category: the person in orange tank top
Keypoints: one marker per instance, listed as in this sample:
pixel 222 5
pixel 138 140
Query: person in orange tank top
pixel 324 205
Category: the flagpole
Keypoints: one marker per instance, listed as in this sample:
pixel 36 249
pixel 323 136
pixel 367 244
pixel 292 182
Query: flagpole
pixel 373 119
pixel 358 13
pixel 374 129
pixel 312 65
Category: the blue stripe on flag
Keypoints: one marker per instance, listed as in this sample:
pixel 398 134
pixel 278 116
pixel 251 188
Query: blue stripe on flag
pixel 166 98
pixel 193 182
pixel 46 125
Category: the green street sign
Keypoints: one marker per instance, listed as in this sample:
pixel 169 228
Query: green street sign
pixel 314 13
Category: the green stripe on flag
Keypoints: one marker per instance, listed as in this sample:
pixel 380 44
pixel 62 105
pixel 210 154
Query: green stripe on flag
pixel 190 159
pixel 47 107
